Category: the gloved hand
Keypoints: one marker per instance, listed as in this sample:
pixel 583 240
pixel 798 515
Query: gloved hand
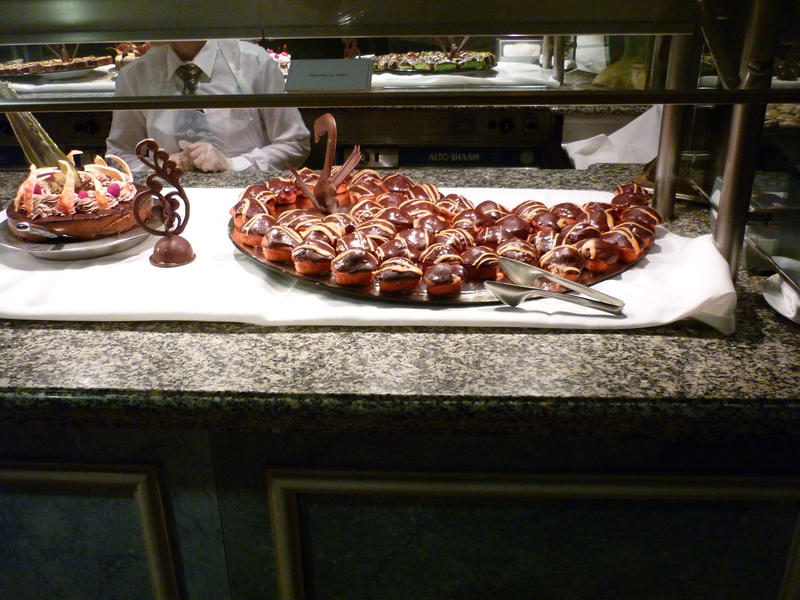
pixel 183 160
pixel 206 157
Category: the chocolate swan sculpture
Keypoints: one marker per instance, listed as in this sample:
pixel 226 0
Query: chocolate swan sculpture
pixel 323 196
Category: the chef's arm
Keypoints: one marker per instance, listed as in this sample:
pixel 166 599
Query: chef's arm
pixel 128 128
pixel 289 142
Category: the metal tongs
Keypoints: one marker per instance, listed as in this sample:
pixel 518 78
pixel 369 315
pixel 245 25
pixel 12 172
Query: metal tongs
pixel 525 278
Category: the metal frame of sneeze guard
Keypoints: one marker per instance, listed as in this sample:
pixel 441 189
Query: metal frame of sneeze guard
pixel 111 21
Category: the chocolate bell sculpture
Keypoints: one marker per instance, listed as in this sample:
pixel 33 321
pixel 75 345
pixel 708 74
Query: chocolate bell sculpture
pixel 171 250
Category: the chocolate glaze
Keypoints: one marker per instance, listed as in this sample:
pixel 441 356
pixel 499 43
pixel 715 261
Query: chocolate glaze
pixel 443 274
pixel 398 269
pixel 491 210
pixel 397 247
pixel 397 182
pixel 313 251
pixel 437 253
pixel 354 260
pixel 419 238
pixel 563 260
pixel 281 236
pixel 493 236
pixel 598 249
pixel 527 209
pixel 642 214
pixel 357 239
pixel 515 225
pixel 452 204
pixel 579 231
pixel 431 223
pixel 479 257
pixel 389 199
pixel 519 250
pixel 397 217
pixel 458 239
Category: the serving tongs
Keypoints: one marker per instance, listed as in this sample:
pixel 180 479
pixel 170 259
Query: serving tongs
pixel 526 277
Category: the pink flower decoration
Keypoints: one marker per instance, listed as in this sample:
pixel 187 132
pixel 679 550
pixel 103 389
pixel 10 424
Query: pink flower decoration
pixel 113 189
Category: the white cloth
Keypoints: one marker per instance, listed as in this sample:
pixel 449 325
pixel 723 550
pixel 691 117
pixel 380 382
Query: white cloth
pixel 636 142
pixel 679 278
pixel 252 138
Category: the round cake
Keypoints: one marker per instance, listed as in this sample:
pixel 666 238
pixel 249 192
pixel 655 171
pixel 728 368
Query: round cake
pixel 100 205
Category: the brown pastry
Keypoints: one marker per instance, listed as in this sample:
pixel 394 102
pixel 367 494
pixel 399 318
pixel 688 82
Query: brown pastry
pixel 357 239
pixel 327 232
pixel 600 255
pixel 354 267
pixel 444 279
pixel 419 238
pixel 458 239
pixel 581 230
pixel 545 240
pixel 286 190
pixel 515 225
pixel 544 220
pixel 473 216
pixel 452 204
pixel 527 209
pixel 438 253
pixel 254 200
pixel 279 241
pixel 252 232
pixel 390 199
pixel 398 274
pixel 642 214
pixel 344 220
pixel 313 257
pixel 425 191
pixel 491 210
pixel 397 217
pixel 396 248
pixel 298 219
pixel 380 229
pixel 629 246
pixel 565 261
pixel 397 182
pixel 480 262
pixel 493 236
pixel 566 213
pixel 519 250
pixel 431 223
pixel 365 209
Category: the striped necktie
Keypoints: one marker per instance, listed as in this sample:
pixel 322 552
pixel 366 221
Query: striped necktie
pixel 190 75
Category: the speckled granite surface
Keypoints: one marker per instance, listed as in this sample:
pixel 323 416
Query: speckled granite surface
pixel 682 379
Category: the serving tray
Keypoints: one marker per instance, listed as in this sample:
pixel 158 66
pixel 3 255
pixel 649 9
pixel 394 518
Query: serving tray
pixel 473 292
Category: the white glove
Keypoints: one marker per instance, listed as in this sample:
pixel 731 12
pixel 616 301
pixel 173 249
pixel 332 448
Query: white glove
pixel 206 157
pixel 183 160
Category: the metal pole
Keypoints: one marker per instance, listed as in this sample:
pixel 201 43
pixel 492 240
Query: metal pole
pixel 747 121
pixel 547 52
pixel 681 54
pixel 558 59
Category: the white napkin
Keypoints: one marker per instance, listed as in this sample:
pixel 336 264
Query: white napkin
pixel 636 142
pixel 679 278
pixel 505 73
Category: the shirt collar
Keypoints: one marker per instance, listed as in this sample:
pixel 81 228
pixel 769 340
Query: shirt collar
pixel 204 59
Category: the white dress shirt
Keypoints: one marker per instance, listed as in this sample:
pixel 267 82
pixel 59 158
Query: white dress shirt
pixel 252 138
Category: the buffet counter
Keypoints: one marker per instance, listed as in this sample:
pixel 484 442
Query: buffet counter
pixel 407 461
pixel 652 380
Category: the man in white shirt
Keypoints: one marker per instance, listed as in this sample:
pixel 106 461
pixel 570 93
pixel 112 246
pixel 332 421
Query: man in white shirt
pixel 209 139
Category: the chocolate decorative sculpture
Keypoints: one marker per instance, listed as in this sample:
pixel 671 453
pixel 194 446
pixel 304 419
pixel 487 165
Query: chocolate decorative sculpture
pixel 171 250
pixel 323 196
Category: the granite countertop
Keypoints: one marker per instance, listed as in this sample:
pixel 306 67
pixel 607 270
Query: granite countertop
pixel 684 379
